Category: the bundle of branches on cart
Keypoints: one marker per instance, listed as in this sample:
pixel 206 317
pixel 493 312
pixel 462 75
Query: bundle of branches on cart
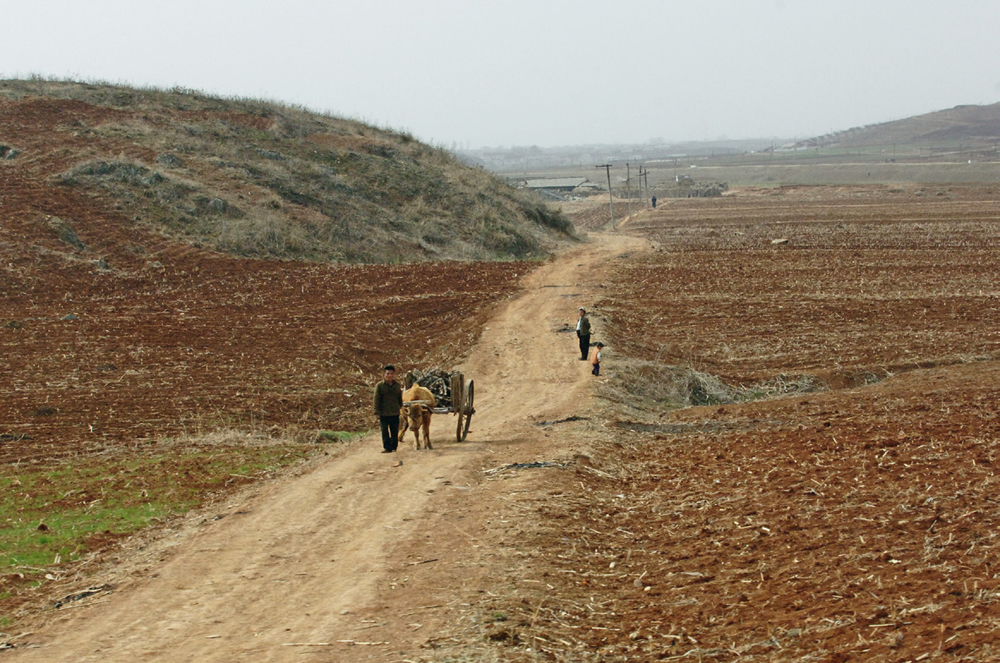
pixel 435 379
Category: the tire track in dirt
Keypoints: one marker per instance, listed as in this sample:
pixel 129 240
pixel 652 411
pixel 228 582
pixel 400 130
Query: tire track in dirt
pixel 354 549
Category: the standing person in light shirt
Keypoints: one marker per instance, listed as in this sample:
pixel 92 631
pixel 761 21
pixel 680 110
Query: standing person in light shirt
pixel 583 333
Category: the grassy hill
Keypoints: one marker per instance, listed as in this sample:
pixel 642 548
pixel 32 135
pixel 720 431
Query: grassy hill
pixel 255 178
pixel 969 125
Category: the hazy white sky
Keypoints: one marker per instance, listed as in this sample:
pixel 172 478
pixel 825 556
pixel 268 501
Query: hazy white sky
pixel 537 72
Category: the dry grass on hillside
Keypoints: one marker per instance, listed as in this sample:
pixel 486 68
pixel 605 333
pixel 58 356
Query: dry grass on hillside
pixel 261 179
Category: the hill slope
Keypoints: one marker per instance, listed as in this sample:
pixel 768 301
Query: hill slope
pixel 260 179
pixel 972 125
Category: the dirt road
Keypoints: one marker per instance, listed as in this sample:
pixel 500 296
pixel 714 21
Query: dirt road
pixel 355 558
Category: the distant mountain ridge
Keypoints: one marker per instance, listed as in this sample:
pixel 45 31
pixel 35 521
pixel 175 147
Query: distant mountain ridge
pixel 257 178
pixel 968 124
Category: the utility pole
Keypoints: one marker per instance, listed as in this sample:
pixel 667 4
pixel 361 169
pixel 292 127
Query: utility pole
pixel 628 190
pixel 611 198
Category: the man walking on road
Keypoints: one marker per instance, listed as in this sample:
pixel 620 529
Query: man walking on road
pixel 583 333
pixel 388 403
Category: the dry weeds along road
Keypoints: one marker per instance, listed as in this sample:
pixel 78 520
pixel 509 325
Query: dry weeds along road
pixel 357 558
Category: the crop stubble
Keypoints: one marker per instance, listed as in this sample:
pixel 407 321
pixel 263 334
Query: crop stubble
pixel 857 523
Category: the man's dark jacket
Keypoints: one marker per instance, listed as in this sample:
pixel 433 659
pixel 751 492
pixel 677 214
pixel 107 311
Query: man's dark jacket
pixel 388 399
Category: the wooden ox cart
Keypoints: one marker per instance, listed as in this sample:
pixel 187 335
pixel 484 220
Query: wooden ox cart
pixel 453 393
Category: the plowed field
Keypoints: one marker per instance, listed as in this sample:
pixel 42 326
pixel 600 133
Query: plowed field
pixel 209 343
pixel 858 521
pixel 869 280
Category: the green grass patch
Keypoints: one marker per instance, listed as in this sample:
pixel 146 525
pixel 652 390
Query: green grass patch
pixel 339 435
pixel 55 514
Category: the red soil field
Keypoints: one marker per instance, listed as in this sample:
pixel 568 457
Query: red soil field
pixel 869 279
pixel 857 522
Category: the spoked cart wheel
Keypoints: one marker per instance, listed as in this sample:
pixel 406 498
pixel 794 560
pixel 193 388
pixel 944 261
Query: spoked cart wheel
pixel 463 399
pixel 468 409
pixel 457 399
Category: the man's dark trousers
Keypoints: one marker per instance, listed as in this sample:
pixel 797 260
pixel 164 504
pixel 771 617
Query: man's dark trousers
pixel 584 346
pixel 390 432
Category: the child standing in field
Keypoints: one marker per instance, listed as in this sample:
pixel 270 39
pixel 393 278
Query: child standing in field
pixel 595 358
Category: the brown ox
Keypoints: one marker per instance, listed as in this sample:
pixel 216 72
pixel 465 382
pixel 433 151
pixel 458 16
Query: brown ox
pixel 418 417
